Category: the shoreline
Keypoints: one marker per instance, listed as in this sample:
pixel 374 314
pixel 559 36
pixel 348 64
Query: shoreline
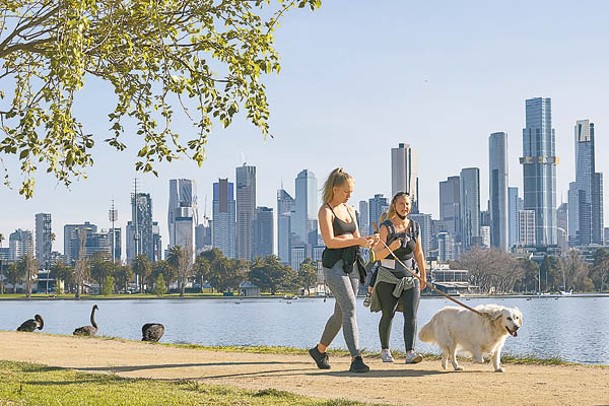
pixel 202 296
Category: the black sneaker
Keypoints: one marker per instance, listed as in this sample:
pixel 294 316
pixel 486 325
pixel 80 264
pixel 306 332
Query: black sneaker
pixel 357 365
pixel 321 358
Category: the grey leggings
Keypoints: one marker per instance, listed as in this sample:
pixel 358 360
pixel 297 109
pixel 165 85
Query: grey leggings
pixel 389 303
pixel 344 287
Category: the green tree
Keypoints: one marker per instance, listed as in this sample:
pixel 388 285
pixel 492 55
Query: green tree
pixel 152 54
pixel 307 275
pixel 163 268
pixel 159 285
pixel 107 285
pixel 14 275
pixel 202 270
pixel 100 267
pixel 123 274
pixel 530 273
pixel 600 270
pixel 180 259
pixel 62 273
pixel 29 269
pixel 270 275
pixel 142 268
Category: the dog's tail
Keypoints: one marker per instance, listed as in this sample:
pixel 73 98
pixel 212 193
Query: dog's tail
pixel 426 333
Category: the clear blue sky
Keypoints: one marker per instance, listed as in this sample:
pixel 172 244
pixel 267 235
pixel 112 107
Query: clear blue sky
pixel 358 78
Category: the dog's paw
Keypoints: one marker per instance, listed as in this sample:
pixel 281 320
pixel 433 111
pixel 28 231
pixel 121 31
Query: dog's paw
pixel 459 368
pixel 500 369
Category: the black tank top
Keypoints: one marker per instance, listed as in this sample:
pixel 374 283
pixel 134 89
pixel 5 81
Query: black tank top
pixel 341 227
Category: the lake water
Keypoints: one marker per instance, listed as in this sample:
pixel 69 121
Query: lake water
pixel 572 328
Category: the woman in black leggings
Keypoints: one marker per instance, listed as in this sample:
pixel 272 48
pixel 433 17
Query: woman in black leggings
pixel 393 287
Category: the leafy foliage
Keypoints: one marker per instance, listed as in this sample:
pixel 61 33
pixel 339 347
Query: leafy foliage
pixel 206 56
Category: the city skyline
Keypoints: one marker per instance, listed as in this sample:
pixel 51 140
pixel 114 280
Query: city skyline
pixel 442 81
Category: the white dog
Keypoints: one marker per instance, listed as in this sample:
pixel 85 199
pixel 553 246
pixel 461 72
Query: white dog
pixel 455 327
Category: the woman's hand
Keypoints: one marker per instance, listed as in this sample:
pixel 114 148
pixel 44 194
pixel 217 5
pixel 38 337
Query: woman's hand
pixel 395 244
pixel 423 284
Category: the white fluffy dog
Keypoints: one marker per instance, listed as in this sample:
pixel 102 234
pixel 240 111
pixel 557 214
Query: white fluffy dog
pixel 455 327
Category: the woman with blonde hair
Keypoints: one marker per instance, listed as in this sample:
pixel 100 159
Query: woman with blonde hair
pixel 341 236
pixel 393 287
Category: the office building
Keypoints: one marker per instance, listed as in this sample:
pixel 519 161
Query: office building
pixel 404 176
pixel 539 162
pixel 223 225
pixel 498 191
pixel 469 205
pixel 44 240
pixel 246 208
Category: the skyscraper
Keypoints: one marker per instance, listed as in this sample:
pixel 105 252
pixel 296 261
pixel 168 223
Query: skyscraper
pixel 498 190
pixel 450 212
pixel 140 235
pixel 364 218
pixel 539 162
pixel 304 221
pixel 585 194
pixel 223 224
pixel 404 176
pixel 285 210
pixel 470 206
pixel 43 239
pixel 246 207
pixel 263 232
pixel 20 243
pixel 514 205
pixel 182 216
pixel 376 206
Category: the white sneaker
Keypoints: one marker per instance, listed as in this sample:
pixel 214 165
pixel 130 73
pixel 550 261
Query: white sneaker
pixel 386 356
pixel 413 358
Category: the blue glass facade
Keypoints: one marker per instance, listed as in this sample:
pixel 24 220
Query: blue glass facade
pixel 539 169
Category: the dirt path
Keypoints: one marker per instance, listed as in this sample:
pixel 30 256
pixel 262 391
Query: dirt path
pixel 399 384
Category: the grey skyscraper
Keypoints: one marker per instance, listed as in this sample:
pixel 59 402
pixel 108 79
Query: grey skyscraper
pixel 364 218
pixel 539 169
pixel 223 225
pixel 246 208
pixel 263 232
pixel 585 194
pixel 304 223
pixel 285 210
pixel 377 205
pixel 498 190
pixel 20 243
pixel 470 206
pixel 43 239
pixel 182 213
pixel 404 176
pixel 514 206
pixel 450 212
pixel 140 235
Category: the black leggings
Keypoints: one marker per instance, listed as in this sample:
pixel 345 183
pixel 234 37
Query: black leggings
pixel 389 303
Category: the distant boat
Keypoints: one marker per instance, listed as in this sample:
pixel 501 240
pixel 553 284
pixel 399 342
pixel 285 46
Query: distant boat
pixel 569 292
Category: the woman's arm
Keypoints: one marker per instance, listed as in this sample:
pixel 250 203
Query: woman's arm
pixel 325 217
pixel 380 250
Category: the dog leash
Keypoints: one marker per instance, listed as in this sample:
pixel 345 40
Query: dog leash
pixel 376 230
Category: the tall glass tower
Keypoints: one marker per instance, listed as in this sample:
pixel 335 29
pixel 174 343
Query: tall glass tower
pixel 246 209
pixel 470 206
pixel 304 223
pixel 404 176
pixel 585 194
pixel 539 162
pixel 182 213
pixel 285 211
pixel 498 190
pixel 223 224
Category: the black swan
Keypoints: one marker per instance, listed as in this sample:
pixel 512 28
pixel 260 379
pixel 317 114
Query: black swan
pixel 152 331
pixel 88 330
pixel 32 324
